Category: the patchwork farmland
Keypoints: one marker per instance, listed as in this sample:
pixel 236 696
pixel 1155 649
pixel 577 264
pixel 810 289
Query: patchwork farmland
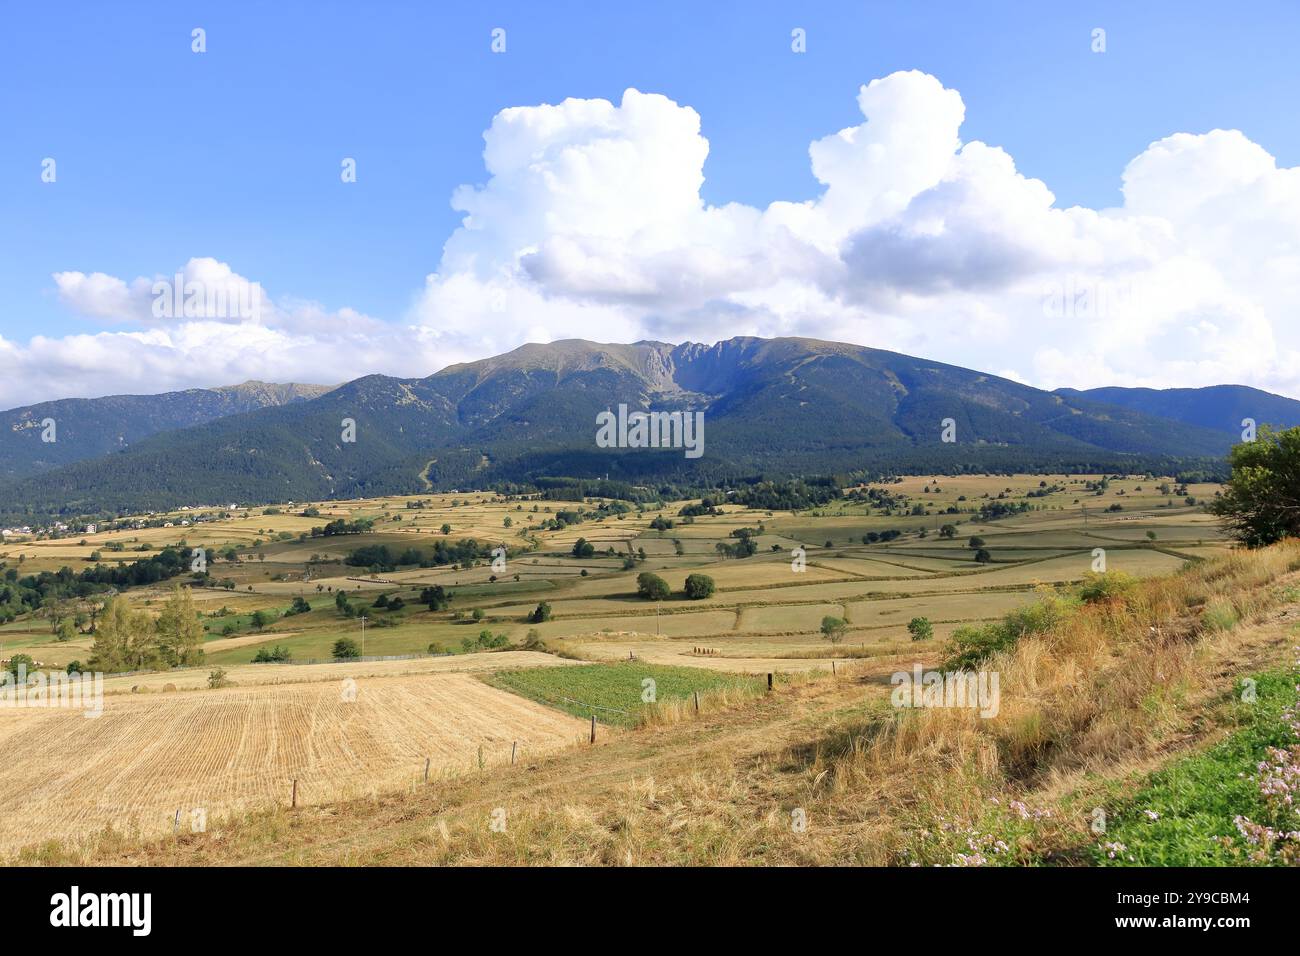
pixel 177 740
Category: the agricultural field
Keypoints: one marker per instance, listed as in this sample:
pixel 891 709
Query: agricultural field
pixel 214 752
pixel 501 661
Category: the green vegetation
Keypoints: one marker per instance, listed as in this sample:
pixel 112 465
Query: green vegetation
pixel 652 587
pixel 1188 812
pixel 834 628
pixel 920 628
pixel 1261 502
pixel 699 586
pixel 130 640
pixel 614 693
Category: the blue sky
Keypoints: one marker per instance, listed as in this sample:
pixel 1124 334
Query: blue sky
pixel 164 155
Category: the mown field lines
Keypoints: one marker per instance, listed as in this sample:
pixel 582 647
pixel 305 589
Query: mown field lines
pixel 148 756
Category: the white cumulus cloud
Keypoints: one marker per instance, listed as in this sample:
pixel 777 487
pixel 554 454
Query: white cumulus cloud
pixel 591 223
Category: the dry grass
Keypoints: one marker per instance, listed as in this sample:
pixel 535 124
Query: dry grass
pixel 1106 690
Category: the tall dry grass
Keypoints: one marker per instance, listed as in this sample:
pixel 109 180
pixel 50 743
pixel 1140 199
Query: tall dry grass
pixel 1104 683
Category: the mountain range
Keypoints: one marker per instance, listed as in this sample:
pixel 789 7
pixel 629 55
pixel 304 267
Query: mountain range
pixel 772 407
pixel 90 427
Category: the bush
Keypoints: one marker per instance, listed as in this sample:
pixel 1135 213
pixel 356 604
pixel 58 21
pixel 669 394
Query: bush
pixel 970 645
pixel 217 678
pixel 982 556
pixel 1219 616
pixel 541 614
pixel 1103 586
pixel 274 655
pixel 920 628
pixel 699 586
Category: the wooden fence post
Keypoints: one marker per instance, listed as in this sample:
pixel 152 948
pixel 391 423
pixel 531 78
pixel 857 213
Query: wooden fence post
pixel 512 752
pixel 697 701
pixel 426 769
pixel 769 682
pixel 593 728
pixel 294 801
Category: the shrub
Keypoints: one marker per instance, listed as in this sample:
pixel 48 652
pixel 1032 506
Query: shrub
pixel 541 614
pixel 982 556
pixel 217 678
pixel 971 644
pixel 920 628
pixel 1219 616
pixel 1103 586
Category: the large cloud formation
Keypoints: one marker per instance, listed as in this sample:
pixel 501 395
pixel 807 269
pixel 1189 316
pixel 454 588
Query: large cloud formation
pixel 591 224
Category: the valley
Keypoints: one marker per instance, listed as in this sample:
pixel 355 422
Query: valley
pixel 438 682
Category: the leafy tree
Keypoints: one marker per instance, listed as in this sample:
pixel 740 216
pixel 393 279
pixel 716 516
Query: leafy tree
pixel 124 639
pixel 261 619
pixel 652 587
pixel 541 614
pixel 920 628
pixel 948 531
pixel 975 542
pixel 346 649
pixel 982 556
pixel 699 586
pixel 834 628
pixel 24 661
pixel 1261 503
pixel 180 633
pixel 435 597
pixel 582 548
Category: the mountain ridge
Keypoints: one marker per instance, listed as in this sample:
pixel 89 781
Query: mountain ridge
pixel 780 406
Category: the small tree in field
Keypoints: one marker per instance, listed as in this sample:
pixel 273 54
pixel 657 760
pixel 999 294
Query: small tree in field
pixel 834 628
pixel 345 649
pixel 920 628
pixel 983 557
pixel 652 587
pixel 1261 503
pixel 699 586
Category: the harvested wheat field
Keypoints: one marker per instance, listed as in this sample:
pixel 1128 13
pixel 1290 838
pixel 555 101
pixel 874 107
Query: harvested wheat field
pixel 241 748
